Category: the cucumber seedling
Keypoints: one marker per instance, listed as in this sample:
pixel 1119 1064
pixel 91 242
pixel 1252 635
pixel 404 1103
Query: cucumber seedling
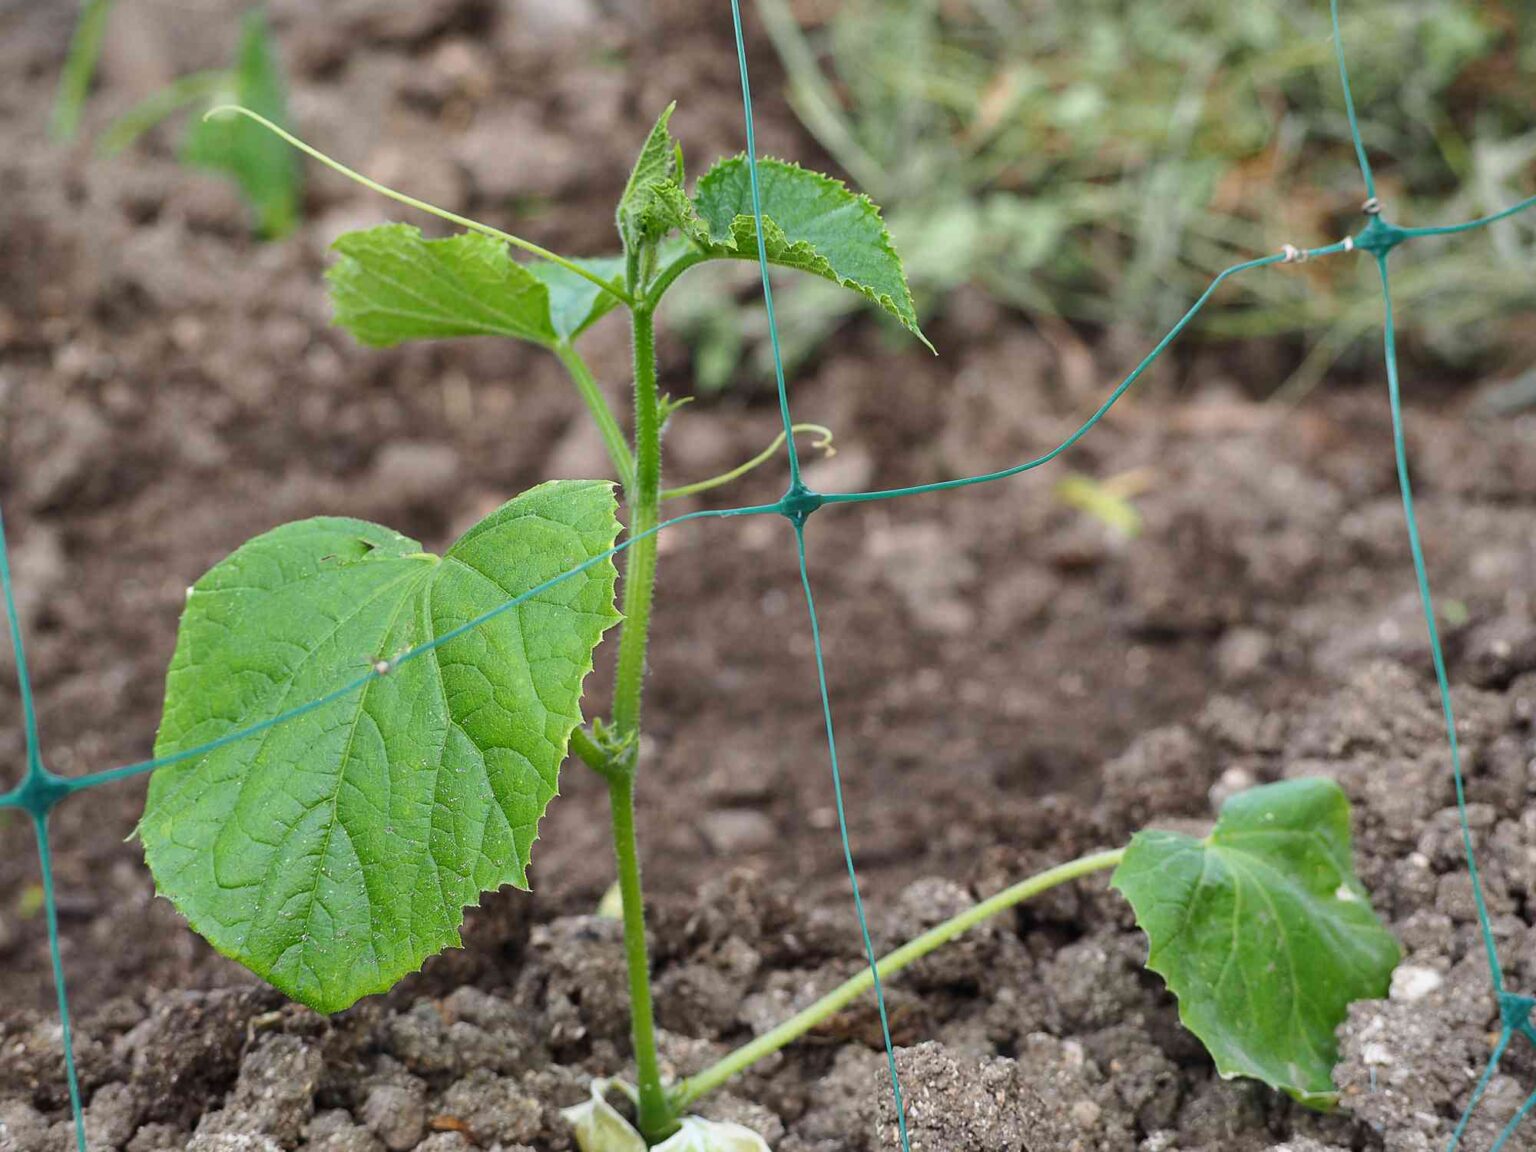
pixel 264 169
pixel 336 851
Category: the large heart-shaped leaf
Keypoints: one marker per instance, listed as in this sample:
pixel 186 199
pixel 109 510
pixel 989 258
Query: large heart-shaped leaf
pixel 812 223
pixel 335 851
pixel 1263 932
pixel 391 284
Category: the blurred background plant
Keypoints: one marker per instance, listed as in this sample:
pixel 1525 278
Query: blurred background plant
pixel 1099 161
pixel 266 171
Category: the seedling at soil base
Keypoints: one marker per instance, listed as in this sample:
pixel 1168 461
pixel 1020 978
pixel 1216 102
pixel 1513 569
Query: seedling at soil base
pixel 262 167
pixel 337 851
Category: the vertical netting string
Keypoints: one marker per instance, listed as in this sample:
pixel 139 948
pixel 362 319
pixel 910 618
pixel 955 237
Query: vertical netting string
pixel 798 503
pixel 36 794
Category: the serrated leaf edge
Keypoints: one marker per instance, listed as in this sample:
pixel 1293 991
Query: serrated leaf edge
pixel 320 1004
pixel 903 310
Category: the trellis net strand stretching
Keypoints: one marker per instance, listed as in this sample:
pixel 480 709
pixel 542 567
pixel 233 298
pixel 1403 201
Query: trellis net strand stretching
pixel 40 789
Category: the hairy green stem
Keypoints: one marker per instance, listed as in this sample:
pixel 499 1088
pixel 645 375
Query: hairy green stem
pixel 669 275
pixel 656 1116
pixel 591 753
pixel 844 994
pixel 602 414
pixel 644 498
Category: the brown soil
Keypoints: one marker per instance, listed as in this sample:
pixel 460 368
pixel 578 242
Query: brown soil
pixel 1014 683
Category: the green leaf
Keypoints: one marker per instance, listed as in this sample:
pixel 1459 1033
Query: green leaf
pixel 812 223
pixel 391 284
pixel 266 170
pixel 334 852
pixel 1263 932
pixel 575 303
pixel 641 219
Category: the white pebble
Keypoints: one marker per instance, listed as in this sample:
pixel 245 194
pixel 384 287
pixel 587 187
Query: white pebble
pixel 1413 982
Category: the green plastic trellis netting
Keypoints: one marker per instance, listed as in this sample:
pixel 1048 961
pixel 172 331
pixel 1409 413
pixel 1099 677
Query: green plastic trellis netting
pixel 40 790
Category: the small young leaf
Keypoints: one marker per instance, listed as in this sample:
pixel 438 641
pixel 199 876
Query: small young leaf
pixel 392 285
pixel 812 223
pixel 266 169
pixel 641 221
pixel 1263 932
pixel 334 852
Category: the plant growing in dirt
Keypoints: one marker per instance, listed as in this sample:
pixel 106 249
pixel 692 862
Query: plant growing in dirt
pixel 336 851
pixel 264 169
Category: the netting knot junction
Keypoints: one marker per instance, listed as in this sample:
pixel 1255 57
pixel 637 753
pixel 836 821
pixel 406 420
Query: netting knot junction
pixel 1515 1013
pixel 799 502
pixel 38 793
pixel 1379 237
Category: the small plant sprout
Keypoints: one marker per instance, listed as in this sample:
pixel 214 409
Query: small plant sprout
pixel 266 171
pixel 337 852
pixel 79 69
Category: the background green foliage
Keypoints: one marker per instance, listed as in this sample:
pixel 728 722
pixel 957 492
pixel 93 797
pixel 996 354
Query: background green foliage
pixel 267 172
pixel 1102 160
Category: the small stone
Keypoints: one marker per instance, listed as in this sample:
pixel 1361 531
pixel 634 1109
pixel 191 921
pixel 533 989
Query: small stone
pixel 397 1115
pixel 157 1138
pixel 112 1116
pixel 738 832
pixel 445 1142
pixel 274 1094
pixel 334 1131
pixel 1412 982
pixel 232 1142
pixel 1229 784
pixel 22 1128
pixel 497 1110
pixel 1243 652
pixel 1085 1113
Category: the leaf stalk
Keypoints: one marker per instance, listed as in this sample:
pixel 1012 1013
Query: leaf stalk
pixel 721 1072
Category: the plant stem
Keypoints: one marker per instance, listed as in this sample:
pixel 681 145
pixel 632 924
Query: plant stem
pixel 656 1115
pixel 602 414
pixel 643 499
pixel 844 994
pixel 591 753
